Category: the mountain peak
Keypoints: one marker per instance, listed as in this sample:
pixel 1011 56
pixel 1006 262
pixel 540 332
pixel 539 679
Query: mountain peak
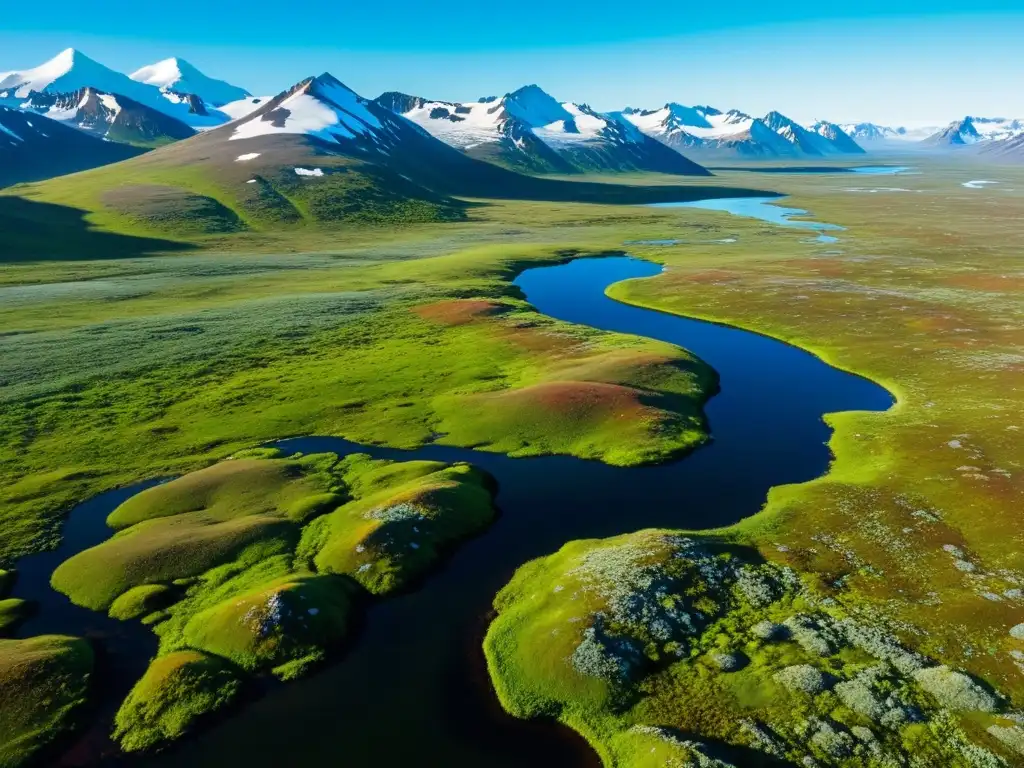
pixel 68 58
pixel 178 76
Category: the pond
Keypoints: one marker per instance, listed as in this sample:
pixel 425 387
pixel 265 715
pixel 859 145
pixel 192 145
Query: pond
pixel 763 208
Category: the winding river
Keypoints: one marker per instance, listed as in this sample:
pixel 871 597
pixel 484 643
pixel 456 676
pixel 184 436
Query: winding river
pixel 413 689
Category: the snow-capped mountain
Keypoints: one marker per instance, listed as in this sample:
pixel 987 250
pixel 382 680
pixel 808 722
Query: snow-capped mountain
pixel 70 71
pixel 706 130
pixel 110 116
pixel 178 76
pixel 1009 149
pixel 530 130
pixel 872 132
pixel 34 147
pixel 837 137
pixel 322 107
pixel 974 130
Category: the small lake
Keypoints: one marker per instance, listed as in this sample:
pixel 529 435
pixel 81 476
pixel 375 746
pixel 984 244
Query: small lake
pixel 414 684
pixel 763 208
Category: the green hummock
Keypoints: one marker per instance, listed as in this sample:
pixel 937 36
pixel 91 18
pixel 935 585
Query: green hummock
pixel 284 626
pixel 42 682
pixel 656 644
pixel 141 601
pixel 258 564
pixel 177 691
pixel 12 611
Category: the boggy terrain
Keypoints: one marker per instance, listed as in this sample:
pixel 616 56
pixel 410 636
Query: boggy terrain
pixel 396 337
pixel 871 617
pixel 260 565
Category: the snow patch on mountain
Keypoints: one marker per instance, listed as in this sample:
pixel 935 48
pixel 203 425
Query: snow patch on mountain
pixel 322 107
pixel 236 110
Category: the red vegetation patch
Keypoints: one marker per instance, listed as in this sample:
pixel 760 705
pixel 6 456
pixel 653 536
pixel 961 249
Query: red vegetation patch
pixel 459 311
pixel 577 399
pixel 822 267
pixel 713 276
pixel 994 283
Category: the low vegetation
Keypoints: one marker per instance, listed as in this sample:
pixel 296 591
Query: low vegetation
pixel 894 581
pixel 660 643
pixel 405 335
pixel 259 564
pixel 43 682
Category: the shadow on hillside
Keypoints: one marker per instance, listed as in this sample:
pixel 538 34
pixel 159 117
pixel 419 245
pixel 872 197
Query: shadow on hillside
pixel 556 190
pixel 36 231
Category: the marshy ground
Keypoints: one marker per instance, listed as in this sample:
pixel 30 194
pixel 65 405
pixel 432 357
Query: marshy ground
pixel 119 370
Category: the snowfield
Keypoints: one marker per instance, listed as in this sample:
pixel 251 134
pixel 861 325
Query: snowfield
pixel 324 108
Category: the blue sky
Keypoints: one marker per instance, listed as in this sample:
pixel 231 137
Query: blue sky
pixel 884 60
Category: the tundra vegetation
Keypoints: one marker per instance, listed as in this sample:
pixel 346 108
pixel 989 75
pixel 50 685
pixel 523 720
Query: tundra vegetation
pixel 260 564
pixel 117 370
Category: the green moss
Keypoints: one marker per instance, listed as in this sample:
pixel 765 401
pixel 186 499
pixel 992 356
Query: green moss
pixel 388 538
pixel 141 601
pixel 225 604
pixel 177 692
pixel 292 622
pixel 164 550
pixel 43 682
pixel 190 525
pixel 619 639
pixel 13 611
pixel 233 489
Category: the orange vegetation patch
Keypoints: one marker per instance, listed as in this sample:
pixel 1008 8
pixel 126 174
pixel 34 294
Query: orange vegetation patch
pixel 994 283
pixel 577 400
pixel 823 267
pixel 459 311
pixel 712 276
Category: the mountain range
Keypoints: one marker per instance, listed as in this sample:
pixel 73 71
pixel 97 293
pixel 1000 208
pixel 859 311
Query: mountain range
pixel 526 130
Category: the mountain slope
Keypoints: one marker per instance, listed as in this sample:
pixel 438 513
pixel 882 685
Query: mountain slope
pixel 178 76
pixel 872 132
pixel 529 130
pixel 1009 149
pixel 837 137
pixel 109 116
pixel 317 154
pixel 974 130
pixel 33 147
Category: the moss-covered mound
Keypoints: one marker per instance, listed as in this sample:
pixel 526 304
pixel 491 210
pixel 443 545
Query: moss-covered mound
pixel 177 691
pixel 13 611
pixel 257 564
pixel 289 622
pixel 656 645
pixel 188 526
pixel 42 682
pixel 404 515
pixel 142 601
pixel 6 582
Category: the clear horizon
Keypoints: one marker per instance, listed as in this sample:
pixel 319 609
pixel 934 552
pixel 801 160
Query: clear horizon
pixel 887 65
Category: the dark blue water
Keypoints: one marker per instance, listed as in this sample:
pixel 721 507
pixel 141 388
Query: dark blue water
pixel 414 688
